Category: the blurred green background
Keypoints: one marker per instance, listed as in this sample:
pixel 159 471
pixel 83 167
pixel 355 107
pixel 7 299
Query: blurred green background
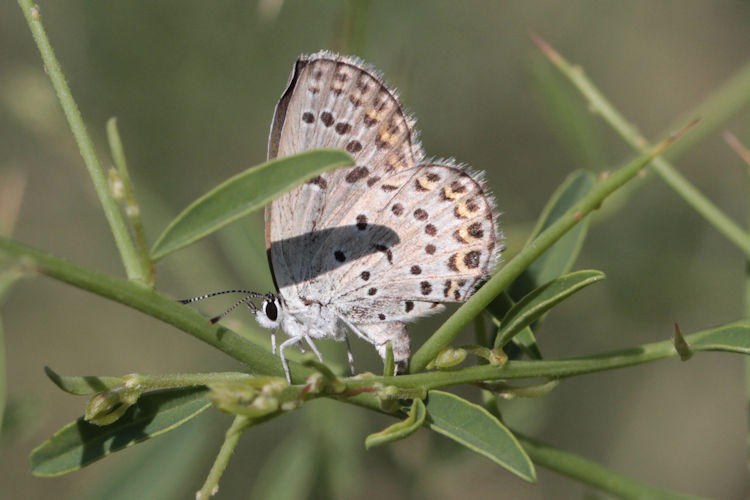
pixel 194 85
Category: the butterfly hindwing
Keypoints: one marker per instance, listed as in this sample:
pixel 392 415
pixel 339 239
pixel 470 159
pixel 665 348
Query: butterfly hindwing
pixel 447 244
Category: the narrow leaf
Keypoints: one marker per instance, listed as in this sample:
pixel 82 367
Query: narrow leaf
pixel 474 427
pixel 82 385
pixel 524 341
pixel 245 193
pixel 399 430
pixel 730 338
pixel 81 443
pixel 559 258
pixel 139 476
pixel 541 300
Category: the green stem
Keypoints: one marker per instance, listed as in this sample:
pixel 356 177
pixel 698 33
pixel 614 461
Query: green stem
pixel 263 362
pixel 724 102
pixel 500 281
pixel 154 304
pixel 152 382
pixel 591 473
pixel 132 209
pixel 85 145
pixel 746 157
pixel 557 369
pixel 705 207
pixel 3 376
pixel 730 98
pixel 211 486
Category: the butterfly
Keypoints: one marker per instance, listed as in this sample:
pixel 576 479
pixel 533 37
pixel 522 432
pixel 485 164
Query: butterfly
pixel 370 247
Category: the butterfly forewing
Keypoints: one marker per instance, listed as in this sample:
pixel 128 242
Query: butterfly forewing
pixel 331 102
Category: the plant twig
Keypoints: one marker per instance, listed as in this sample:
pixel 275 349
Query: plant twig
pixel 692 196
pixel 132 209
pixel 154 304
pixel 211 486
pixel 262 361
pixel 556 369
pixel 117 224
pixel 744 154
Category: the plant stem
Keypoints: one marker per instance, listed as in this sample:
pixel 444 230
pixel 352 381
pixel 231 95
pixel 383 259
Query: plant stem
pixel 263 362
pixel 132 209
pixel 85 145
pixel 724 102
pixel 528 369
pixel 500 281
pixel 731 97
pixel 3 375
pixel 211 486
pixel 152 382
pixel 744 154
pixel 591 473
pixel 154 304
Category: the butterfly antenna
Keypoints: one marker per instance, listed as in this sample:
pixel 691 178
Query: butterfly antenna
pixel 209 295
pixel 245 301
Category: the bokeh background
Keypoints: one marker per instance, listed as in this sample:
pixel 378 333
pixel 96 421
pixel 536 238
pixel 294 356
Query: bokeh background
pixel 194 84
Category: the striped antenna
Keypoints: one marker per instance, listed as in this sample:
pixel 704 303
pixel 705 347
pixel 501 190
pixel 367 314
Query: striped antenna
pixel 209 295
pixel 245 301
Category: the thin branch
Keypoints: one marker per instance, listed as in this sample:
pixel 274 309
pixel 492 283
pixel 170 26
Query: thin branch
pixel 132 209
pixel 733 94
pixel 211 486
pixel 154 304
pixel 117 224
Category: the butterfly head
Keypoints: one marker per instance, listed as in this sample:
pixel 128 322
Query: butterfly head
pixel 268 315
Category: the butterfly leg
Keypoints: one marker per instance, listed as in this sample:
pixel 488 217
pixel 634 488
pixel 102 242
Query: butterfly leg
pixel 358 332
pixel 314 349
pixel 286 343
pixel 273 340
pixel 349 355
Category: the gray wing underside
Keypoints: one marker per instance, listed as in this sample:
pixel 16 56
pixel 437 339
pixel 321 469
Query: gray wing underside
pixel 387 240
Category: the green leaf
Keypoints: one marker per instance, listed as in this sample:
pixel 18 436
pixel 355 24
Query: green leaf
pixel 81 443
pixel 541 300
pixel 559 258
pixel 729 338
pixel 82 385
pixel 474 427
pixel 177 452
pixel 399 430
pixel 245 193
pixel 525 340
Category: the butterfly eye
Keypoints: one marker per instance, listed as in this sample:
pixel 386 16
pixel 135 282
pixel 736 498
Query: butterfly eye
pixel 272 312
